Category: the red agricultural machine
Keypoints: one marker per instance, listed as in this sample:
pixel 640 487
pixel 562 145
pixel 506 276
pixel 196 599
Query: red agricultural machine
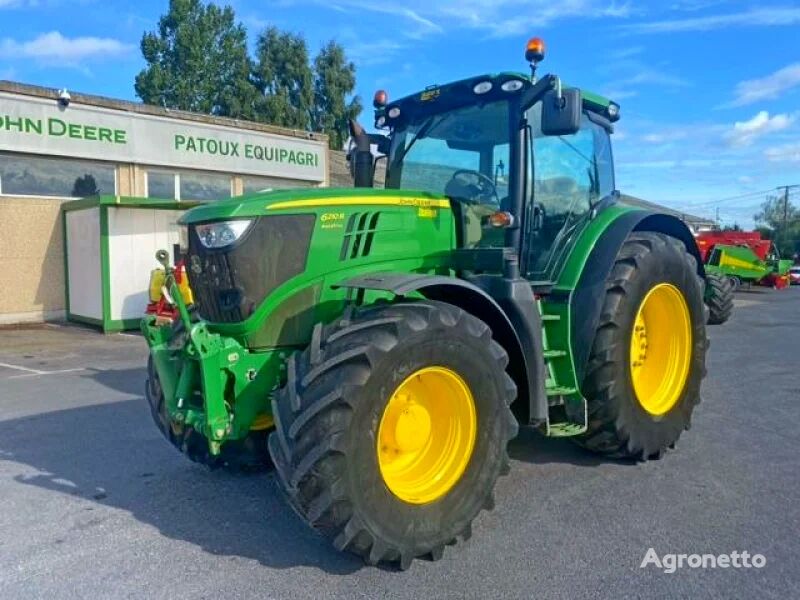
pixel 775 270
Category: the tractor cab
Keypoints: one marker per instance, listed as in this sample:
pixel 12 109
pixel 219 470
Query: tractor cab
pixel 525 163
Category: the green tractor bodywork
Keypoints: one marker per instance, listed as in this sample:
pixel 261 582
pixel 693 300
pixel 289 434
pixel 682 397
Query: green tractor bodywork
pixel 498 247
pixel 741 263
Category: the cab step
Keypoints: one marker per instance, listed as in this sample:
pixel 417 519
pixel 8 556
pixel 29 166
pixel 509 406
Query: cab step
pixel 566 429
pixel 561 391
pixel 554 354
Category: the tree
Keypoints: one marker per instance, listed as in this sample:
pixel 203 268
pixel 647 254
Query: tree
pixel 282 75
pixel 85 186
pixel 334 82
pixel 197 60
pixel 783 219
pixel 734 227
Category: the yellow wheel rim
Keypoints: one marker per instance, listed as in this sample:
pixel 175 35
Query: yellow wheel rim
pixel 426 435
pixel 661 349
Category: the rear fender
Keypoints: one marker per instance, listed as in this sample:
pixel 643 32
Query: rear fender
pixel 585 306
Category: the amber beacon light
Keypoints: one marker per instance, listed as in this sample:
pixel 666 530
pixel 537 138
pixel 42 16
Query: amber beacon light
pixel 534 51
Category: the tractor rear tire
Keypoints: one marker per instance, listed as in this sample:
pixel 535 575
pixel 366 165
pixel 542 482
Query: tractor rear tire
pixel 719 298
pixel 329 419
pixel 621 424
pixel 246 455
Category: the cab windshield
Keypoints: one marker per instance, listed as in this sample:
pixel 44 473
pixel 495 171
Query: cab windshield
pixel 462 153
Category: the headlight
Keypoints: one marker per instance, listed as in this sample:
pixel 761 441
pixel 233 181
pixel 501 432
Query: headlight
pixel 221 233
pixel 183 239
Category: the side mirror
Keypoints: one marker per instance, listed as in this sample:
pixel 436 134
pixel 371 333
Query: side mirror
pixel 561 116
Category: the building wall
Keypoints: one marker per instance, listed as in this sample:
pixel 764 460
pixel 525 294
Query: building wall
pixel 32 286
pixel 31 260
pixel 340 170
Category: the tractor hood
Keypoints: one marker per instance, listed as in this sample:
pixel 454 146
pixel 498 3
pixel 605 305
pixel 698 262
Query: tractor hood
pixel 309 199
pixel 249 254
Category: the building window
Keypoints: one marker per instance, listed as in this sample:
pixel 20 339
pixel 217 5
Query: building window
pixel 161 184
pixel 188 185
pixel 253 185
pixel 22 175
pixel 204 186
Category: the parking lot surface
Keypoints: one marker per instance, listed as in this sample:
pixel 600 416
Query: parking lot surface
pixel 95 504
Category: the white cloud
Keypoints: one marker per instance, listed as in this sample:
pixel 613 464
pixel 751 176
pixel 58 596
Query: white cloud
pixel 636 76
pixel 770 16
pixel 53 46
pixel 745 133
pixel 499 18
pixel 380 51
pixel 767 88
pixel 784 153
pixel 665 137
pixel 619 94
pixel 695 5
pixel 625 53
pixel 648 76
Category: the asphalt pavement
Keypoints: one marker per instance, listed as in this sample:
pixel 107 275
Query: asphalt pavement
pixel 95 504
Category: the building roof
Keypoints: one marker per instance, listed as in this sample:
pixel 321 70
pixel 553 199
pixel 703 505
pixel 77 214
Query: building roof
pixel 692 220
pixel 12 87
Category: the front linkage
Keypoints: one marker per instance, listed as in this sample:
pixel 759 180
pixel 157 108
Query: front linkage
pixel 206 383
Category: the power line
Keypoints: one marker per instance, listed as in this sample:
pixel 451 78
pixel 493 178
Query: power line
pixel 706 203
pixel 729 198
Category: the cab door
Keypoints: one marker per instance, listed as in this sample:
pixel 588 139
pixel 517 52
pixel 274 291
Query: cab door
pixel 568 176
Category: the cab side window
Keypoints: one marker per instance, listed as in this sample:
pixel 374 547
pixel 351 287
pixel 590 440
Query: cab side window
pixel 571 173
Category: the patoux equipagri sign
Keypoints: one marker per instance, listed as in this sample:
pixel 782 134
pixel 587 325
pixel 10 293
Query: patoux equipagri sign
pixel 42 126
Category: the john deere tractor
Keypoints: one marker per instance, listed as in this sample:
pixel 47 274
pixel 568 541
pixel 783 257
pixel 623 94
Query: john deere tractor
pixel 381 347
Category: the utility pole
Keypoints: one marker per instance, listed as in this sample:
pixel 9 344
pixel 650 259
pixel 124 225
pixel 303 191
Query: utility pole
pixel 785 224
pixel 785 207
pixel 786 189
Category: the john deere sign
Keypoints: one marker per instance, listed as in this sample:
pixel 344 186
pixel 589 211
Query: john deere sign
pixel 41 126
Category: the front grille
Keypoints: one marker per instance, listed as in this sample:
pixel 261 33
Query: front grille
pixel 230 283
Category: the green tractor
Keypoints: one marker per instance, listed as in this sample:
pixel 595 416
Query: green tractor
pixel 740 264
pixel 380 347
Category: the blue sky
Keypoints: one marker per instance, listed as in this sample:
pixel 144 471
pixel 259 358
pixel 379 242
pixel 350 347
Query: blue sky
pixel 710 89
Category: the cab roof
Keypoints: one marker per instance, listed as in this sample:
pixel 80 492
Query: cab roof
pixel 461 92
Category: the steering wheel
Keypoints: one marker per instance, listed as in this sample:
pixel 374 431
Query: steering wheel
pixel 472 186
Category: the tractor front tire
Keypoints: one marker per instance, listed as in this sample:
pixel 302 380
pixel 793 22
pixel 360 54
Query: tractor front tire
pixel 719 298
pixel 339 429
pixel 246 455
pixel 648 357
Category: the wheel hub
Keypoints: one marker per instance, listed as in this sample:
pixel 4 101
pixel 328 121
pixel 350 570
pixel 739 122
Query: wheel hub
pixel 413 427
